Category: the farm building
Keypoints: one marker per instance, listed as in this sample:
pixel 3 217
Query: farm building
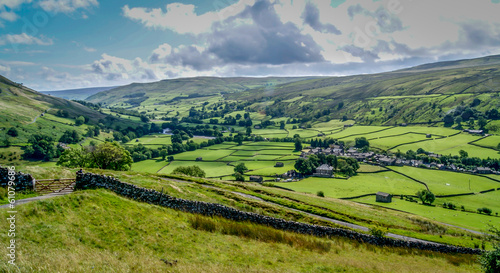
pixel 428 136
pixel 324 171
pixel 383 197
pixel 256 178
pixel 279 164
pixel 199 159
pixel 483 170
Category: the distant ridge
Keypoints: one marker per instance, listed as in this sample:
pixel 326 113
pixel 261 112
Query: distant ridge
pixel 77 94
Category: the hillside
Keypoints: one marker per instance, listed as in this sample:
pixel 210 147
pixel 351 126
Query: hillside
pixel 101 237
pixel 168 90
pixel 77 94
pixel 20 105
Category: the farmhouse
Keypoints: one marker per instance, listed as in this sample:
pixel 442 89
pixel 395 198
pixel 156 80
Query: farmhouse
pixel 483 170
pixel 279 164
pixel 383 197
pixel 256 178
pixel 387 161
pixel 324 170
pixel 474 132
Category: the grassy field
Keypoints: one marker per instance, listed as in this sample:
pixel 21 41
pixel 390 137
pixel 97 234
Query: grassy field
pixel 469 220
pixel 212 169
pixel 444 183
pixel 154 233
pixel 357 185
pixel 491 142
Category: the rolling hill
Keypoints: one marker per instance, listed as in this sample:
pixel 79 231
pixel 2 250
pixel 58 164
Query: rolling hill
pixel 77 94
pixel 415 95
pixel 133 95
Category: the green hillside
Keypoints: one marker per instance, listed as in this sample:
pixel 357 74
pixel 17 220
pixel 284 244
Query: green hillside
pixel 77 94
pixel 166 91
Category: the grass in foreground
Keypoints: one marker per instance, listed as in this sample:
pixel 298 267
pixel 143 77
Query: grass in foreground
pixel 89 232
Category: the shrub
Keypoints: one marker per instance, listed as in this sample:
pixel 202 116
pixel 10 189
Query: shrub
pixel 239 177
pixel 190 171
pixel 377 232
pixel 320 194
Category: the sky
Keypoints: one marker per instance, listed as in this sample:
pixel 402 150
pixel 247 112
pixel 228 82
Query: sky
pixel 68 44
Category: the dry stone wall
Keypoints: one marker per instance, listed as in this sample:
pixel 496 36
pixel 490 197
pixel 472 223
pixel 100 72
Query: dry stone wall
pixel 23 181
pixel 90 181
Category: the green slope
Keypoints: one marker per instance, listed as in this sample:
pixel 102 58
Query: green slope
pixel 168 90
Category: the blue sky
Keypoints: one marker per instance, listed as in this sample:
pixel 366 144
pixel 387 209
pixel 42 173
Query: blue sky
pixel 66 44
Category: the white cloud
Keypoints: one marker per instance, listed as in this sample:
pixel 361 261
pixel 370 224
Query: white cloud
pixel 67 6
pixel 4 69
pixel 24 38
pixel 89 49
pixel 182 18
pixel 8 16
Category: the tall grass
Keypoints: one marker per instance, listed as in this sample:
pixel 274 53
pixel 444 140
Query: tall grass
pixel 258 232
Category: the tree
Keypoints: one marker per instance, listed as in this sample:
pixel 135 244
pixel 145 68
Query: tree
pixel 110 156
pixel 70 137
pixel 498 146
pixel 176 138
pixel 362 142
pixel 249 131
pixel 482 122
pixel 490 260
pixel 240 168
pixel 303 166
pixel 12 132
pixel 239 177
pixel 144 118
pixel 189 171
pixel 426 196
pixel 41 148
pixel 332 161
pixel 463 154
pixel 74 158
pixel 163 154
pixel 80 120
pixel 298 144
pixel 448 120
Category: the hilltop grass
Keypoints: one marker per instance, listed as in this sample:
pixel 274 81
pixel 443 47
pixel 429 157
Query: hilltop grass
pixel 88 231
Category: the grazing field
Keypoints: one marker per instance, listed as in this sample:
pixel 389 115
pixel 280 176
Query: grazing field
pixel 445 183
pixel 469 220
pixel 357 185
pixel 491 142
pixel 389 142
pixel 473 202
pixel 206 155
pixel 212 169
pixel 452 145
pixel 149 166
pixel 155 139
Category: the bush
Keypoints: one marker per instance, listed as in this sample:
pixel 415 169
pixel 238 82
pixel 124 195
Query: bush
pixel 484 210
pixel 239 177
pixel 189 171
pixel 377 232
pixel 320 194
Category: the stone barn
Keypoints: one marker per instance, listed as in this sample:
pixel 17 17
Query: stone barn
pixel 256 178
pixel 199 159
pixel 383 197
pixel 279 164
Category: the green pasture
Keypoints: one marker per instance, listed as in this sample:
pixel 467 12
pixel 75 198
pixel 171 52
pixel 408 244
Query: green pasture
pixel 156 139
pixel 388 142
pixel 357 130
pixel 363 183
pixel 149 166
pixel 205 154
pixel 445 183
pixel 366 168
pixel 212 169
pixel 303 133
pixel 469 220
pixel 452 145
pixel 491 142
pixel 473 202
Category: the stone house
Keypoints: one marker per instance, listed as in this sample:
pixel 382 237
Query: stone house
pixel 279 164
pixel 256 178
pixel 383 197
pixel 324 170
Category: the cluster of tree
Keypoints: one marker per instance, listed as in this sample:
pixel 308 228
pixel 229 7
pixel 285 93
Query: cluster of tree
pixel 62 113
pixel 189 171
pixel 141 152
pixel 124 111
pixel 41 147
pixel 345 165
pixel 238 172
pixel 490 260
pixel 323 143
pixel 469 114
pixel 199 130
pixel 12 132
pixel 108 155
pixel 130 133
pixel 462 160
pixel 90 105
pixel 70 137
pixel 426 196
